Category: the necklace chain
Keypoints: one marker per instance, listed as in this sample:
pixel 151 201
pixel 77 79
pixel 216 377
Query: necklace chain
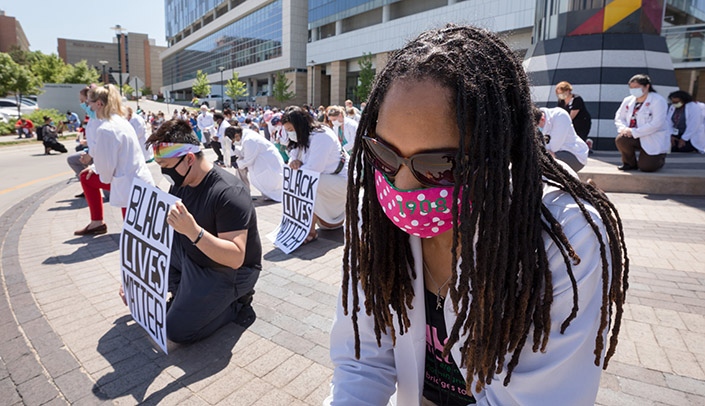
pixel 439 298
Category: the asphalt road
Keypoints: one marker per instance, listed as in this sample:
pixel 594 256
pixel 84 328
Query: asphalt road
pixel 25 170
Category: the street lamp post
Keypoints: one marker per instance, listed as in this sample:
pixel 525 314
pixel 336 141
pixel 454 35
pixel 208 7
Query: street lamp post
pixel 119 33
pixel 222 88
pixel 137 93
pixel 313 82
pixel 104 63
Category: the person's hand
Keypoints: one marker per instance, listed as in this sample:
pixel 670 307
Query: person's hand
pixel 85 159
pixel 627 132
pixel 121 292
pixel 88 171
pixel 182 221
pixel 681 143
pixel 295 164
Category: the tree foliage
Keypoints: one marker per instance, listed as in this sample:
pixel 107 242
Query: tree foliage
pixel 81 73
pixel 128 90
pixel 234 88
pixel 48 68
pixel 281 90
pixel 201 87
pixel 17 79
pixel 367 76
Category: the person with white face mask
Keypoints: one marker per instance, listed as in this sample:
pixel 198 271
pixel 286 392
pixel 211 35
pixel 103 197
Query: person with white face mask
pixel 344 127
pixel 686 118
pixel 314 147
pixel 642 126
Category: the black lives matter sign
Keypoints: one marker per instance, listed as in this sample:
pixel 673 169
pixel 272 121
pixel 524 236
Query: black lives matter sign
pixel 145 253
pixel 297 208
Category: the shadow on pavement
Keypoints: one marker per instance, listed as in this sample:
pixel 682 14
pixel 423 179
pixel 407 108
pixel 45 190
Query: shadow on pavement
pixel 73 204
pixel 136 362
pixel 695 202
pixel 93 247
pixel 327 240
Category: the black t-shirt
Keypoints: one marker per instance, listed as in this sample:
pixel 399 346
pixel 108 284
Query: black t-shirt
pixel 221 203
pixel 582 121
pixel 443 383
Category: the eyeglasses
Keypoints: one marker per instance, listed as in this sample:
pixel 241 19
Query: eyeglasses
pixel 431 168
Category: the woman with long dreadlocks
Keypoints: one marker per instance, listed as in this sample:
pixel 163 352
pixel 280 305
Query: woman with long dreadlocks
pixel 476 268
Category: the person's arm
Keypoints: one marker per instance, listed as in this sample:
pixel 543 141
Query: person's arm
pixel 105 153
pixel 350 133
pixel 577 105
pixel 621 121
pixel 319 153
pixel 227 248
pixel 657 109
pixel 693 121
pixel 370 380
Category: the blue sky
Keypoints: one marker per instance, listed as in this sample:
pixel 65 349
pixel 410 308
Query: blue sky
pixel 43 21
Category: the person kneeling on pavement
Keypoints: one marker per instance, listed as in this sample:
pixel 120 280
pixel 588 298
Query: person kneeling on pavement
pixel 216 256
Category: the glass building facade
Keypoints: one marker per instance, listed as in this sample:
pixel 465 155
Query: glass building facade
pixel 182 13
pixel 325 11
pixel 254 38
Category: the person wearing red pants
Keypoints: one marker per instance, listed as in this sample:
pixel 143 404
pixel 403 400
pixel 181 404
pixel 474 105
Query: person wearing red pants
pixel 117 158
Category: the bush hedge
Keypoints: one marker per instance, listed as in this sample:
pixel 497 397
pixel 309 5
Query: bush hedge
pixel 37 117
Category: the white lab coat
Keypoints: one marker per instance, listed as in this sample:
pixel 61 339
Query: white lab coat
pixel 564 375
pixel 140 127
pixel 561 134
pixel 205 122
pixel 117 157
pixel 349 133
pixel 263 162
pixel 226 143
pixel 323 156
pixel 694 125
pixel 652 128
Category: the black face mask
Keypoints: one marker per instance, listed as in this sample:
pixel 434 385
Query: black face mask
pixel 174 177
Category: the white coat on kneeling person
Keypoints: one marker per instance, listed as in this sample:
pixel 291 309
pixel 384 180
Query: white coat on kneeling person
pixel 315 147
pixel 261 159
pixel 561 139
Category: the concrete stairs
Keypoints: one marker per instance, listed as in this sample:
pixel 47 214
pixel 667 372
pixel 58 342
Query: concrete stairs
pixel 683 174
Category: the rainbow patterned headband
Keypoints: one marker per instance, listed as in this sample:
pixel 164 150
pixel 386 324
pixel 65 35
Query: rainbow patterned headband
pixel 173 150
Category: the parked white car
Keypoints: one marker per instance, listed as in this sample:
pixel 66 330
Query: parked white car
pixel 8 106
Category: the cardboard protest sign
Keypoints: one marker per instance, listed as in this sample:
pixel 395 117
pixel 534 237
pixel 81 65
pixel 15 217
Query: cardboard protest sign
pixel 145 253
pixel 297 208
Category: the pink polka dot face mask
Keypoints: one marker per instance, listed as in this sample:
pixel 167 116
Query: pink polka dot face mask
pixel 424 213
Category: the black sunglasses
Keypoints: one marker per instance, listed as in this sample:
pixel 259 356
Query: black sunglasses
pixel 431 168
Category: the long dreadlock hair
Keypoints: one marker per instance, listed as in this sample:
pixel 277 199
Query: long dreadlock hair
pixel 502 167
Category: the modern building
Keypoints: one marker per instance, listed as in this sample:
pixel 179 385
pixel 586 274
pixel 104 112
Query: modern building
pixel 11 34
pixel 257 39
pixel 133 54
pixel 595 44
pixel 342 31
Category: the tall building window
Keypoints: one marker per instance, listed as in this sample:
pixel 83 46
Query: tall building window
pixel 254 38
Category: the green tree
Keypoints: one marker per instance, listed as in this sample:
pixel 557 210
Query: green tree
pixel 48 68
pixel 20 56
pixel 367 75
pixel 146 90
pixel 81 73
pixel 234 88
pixel 201 87
pixel 128 90
pixel 8 66
pixel 17 79
pixel 281 90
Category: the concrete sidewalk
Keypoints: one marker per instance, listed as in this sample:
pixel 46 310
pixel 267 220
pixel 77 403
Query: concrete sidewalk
pixel 65 336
